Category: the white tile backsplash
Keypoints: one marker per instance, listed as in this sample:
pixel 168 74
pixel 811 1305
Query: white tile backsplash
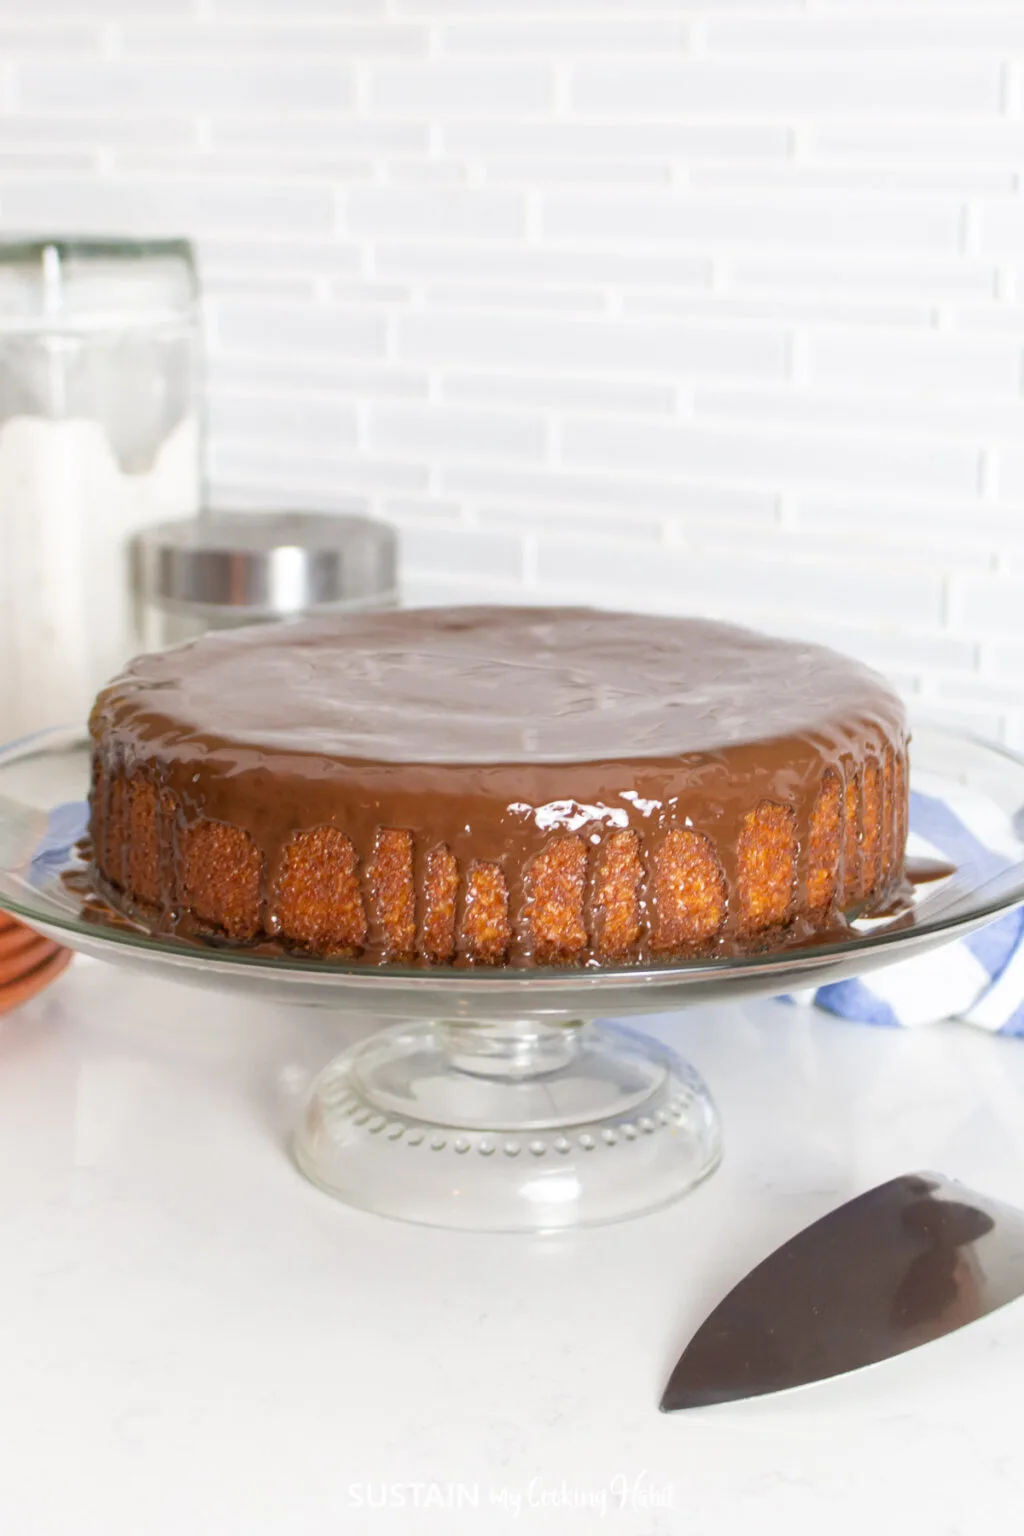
pixel 91 205
pixel 566 37
pixel 24 40
pixel 277 256
pixel 780 86
pixel 444 88
pixel 940 364
pixel 756 455
pixel 440 213
pixel 284 417
pixel 294 330
pixel 598 494
pixel 657 144
pixel 184 85
pixel 919 144
pixel 260 10
pixel 980 30
pixel 281 39
pixel 928 279
pixel 738 221
pixel 599 344
pixel 668 303
pixel 466 555
pixel 976 417
pixel 525 263
pixel 66 10
pixel 453 433
pixel 303 376
pixel 832 591
pixel 556 393
pixel 1010 473
pixel 96 131
pixel 569 300
pixel 312 131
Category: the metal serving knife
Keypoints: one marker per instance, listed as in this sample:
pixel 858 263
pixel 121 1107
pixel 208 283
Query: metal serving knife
pixel 896 1267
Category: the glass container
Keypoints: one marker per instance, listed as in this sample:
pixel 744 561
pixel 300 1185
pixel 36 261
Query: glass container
pixel 228 569
pixel 99 437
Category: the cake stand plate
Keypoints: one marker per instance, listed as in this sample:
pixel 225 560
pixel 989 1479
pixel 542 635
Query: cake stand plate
pixel 495 1099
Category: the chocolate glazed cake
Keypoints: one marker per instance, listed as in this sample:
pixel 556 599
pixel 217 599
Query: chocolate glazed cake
pixel 499 786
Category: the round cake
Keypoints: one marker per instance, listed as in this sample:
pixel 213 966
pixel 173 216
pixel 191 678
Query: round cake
pixel 499 786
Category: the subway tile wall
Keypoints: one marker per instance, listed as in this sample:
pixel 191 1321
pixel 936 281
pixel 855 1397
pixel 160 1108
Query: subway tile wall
pixel 708 307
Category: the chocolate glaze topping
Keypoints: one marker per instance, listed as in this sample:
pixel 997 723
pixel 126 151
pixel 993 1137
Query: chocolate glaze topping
pixel 492 729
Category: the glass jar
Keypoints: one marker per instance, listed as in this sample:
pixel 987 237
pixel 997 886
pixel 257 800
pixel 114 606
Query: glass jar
pixel 228 569
pixel 99 438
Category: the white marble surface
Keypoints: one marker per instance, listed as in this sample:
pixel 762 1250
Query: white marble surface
pixel 194 1340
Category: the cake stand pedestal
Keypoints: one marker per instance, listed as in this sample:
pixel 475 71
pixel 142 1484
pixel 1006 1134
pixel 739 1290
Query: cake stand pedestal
pixel 520 1124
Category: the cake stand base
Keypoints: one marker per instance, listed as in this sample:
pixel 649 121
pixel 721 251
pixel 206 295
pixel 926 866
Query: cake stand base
pixel 513 1126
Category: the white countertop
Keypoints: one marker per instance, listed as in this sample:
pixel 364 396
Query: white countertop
pixel 194 1340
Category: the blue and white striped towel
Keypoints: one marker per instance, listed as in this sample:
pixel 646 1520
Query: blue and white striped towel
pixel 978 979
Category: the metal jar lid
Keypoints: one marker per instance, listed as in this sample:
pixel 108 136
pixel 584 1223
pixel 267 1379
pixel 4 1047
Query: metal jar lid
pixel 273 563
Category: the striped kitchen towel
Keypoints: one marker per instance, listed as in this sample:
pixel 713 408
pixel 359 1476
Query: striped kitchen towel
pixel 978 979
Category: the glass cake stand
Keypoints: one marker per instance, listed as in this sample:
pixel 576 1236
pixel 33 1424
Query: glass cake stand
pixel 498 1102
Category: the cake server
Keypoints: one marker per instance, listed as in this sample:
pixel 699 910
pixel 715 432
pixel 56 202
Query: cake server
pixel 896 1267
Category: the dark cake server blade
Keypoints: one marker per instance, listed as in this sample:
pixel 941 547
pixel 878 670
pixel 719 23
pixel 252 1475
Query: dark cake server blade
pixel 899 1266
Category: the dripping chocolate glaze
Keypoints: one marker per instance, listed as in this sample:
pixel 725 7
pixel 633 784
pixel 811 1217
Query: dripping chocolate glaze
pixel 493 730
